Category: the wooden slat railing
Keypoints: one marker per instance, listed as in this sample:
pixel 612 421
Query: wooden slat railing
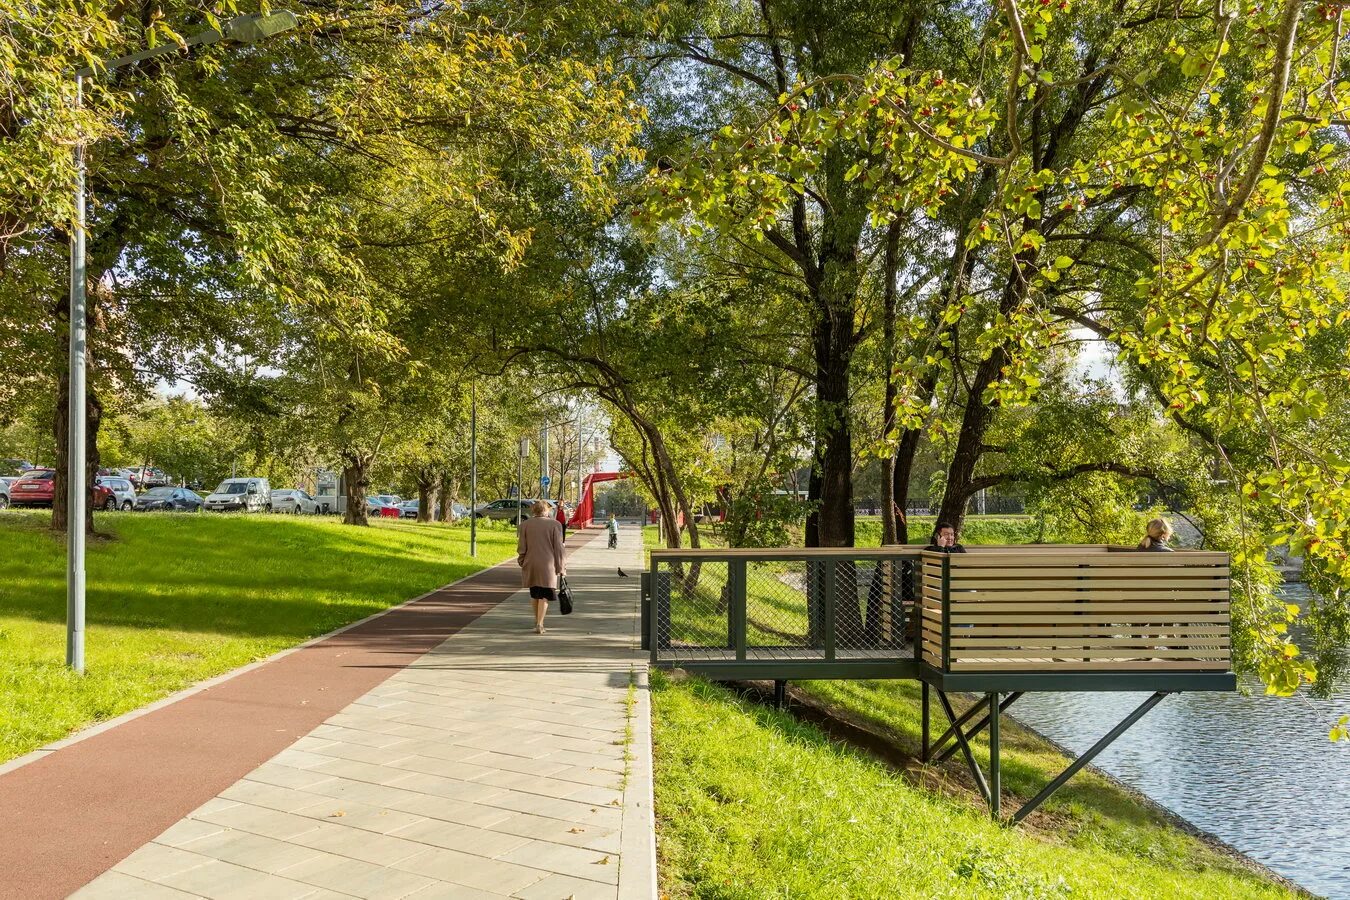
pixel 1059 609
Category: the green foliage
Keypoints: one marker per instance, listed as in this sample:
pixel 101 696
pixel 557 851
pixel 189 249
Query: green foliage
pixel 976 530
pixel 1173 184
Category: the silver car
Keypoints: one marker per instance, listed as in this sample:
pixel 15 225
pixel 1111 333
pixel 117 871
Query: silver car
pixel 510 510
pixel 124 495
pixel 240 495
pixel 295 502
pixel 4 491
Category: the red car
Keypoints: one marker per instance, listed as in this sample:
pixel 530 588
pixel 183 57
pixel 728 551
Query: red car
pixel 34 488
pixel 37 486
pixel 101 497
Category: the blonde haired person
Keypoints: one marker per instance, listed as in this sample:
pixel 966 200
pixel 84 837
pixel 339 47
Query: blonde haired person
pixel 539 553
pixel 1157 536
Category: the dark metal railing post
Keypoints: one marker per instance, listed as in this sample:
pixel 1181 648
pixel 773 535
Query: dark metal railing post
pixel 736 609
pixel 946 612
pixel 660 617
pixel 645 610
pixel 915 607
pixel 828 589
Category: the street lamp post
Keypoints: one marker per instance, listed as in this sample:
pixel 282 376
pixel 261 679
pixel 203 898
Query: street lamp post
pixel 241 29
pixel 473 468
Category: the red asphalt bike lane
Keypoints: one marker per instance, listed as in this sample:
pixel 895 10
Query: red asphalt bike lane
pixel 72 815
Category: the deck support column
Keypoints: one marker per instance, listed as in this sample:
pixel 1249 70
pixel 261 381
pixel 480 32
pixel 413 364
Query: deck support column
pixel 995 777
pixel 780 694
pixel 923 756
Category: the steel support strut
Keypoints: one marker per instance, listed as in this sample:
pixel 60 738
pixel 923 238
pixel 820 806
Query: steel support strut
pixel 1088 756
pixel 965 746
pixel 980 725
pixel 955 727
pixel 990 789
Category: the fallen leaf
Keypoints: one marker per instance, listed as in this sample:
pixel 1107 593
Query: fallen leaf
pixel 575 830
pixel 603 862
pixel 336 815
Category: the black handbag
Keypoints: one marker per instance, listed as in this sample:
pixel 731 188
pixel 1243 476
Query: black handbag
pixel 564 597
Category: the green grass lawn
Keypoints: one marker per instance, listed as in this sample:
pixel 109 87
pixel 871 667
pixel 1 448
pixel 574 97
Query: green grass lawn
pixel 174 599
pixel 751 803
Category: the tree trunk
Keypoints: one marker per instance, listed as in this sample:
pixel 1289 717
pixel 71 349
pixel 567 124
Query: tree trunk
pixel 975 423
pixel 888 516
pixel 979 413
pixel 902 474
pixel 61 430
pixel 833 286
pixel 354 473
pixel 426 497
pixel 445 497
pixel 834 436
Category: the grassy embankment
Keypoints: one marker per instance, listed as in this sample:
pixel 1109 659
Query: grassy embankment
pixel 174 599
pixel 752 803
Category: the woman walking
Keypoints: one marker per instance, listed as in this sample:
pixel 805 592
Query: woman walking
pixel 539 553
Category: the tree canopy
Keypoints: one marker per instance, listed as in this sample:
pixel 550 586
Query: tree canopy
pixel 1082 255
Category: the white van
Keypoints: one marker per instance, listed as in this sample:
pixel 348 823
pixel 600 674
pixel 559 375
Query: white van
pixel 240 495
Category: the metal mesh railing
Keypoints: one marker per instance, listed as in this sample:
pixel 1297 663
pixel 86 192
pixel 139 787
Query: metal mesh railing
pixel 723 605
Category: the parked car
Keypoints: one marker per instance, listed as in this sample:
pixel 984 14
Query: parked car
pixel 377 507
pixel 389 499
pixel 169 499
pixel 34 488
pixel 240 495
pixel 5 482
pixel 408 509
pixel 118 493
pixel 294 501
pixel 510 510
pixel 148 477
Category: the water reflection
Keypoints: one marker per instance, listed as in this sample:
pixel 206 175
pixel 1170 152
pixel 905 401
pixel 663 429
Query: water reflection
pixel 1257 771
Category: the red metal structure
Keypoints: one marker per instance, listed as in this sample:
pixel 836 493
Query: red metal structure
pixel 585 510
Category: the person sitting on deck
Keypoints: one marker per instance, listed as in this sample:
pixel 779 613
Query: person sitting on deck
pixel 944 539
pixel 1159 533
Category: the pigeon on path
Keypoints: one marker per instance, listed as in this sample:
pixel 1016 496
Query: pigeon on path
pixel 622 573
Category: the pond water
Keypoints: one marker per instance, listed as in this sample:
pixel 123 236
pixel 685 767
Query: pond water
pixel 1256 771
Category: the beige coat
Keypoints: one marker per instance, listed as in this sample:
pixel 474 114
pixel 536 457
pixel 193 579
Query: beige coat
pixel 539 550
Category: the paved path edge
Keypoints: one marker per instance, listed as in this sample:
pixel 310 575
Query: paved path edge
pixel 637 854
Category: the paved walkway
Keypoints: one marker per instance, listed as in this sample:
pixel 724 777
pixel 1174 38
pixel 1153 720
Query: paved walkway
pixel 498 764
